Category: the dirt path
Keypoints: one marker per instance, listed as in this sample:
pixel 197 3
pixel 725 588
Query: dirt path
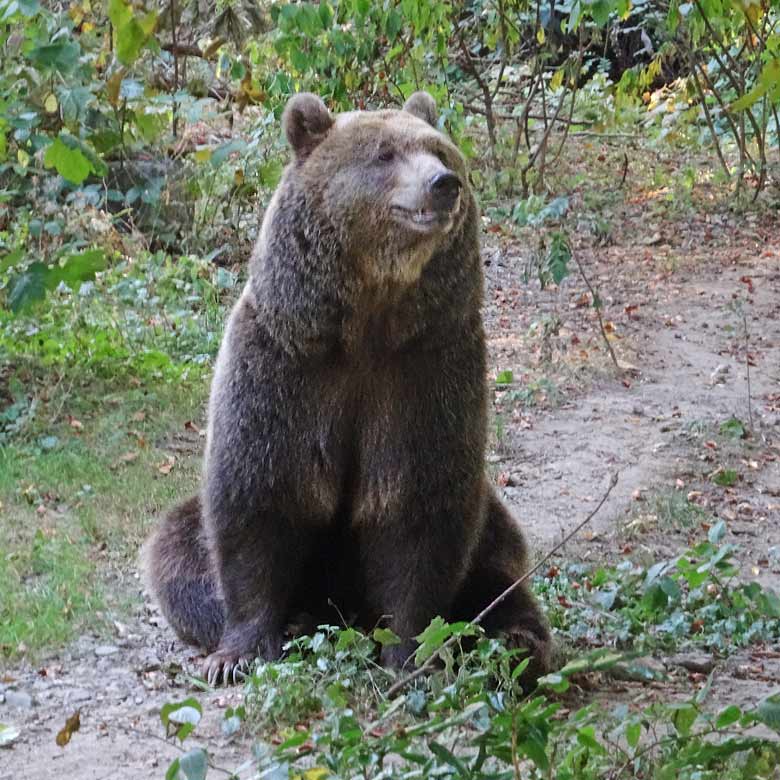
pixel 657 426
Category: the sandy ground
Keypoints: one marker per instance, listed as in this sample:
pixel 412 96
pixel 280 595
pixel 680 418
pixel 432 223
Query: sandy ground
pixel 669 305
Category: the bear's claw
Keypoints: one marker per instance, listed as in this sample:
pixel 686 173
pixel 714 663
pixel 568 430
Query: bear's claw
pixel 225 668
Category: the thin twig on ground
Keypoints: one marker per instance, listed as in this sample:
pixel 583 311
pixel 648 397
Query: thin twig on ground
pixel 597 307
pixel 397 687
pixel 747 369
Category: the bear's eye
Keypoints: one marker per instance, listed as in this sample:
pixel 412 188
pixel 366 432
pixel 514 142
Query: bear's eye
pixel 442 158
pixel 385 155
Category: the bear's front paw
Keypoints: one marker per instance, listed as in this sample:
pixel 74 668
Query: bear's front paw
pixel 538 645
pixel 223 667
pixel 240 645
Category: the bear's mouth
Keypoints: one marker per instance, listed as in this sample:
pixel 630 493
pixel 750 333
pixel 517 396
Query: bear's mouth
pixel 424 220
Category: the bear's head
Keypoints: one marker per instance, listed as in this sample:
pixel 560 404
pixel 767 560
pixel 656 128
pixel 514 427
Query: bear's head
pixel 391 185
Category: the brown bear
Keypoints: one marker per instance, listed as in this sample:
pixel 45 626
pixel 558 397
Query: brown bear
pixel 348 411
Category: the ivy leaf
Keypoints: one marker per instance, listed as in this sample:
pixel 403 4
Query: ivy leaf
pixel 433 637
pixel 62 55
pixel 768 81
pixel 70 161
pixel 27 288
pixel 600 11
pixel 386 637
pixel 684 716
pixel 633 732
pixel 393 25
pixel 505 377
pixel 73 102
pixel 78 268
pixel 183 715
pixel 194 765
pixel 768 712
pixel 725 477
pixel 728 716
pixel 131 33
pixel 733 428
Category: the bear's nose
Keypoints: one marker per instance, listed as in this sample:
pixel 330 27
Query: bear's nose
pixel 445 188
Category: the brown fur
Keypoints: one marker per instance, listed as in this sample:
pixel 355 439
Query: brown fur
pixel 348 412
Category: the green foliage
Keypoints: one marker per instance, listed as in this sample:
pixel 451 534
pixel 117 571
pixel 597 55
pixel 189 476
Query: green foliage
pixel 555 266
pixel 733 428
pixel 354 50
pixel 504 378
pixel 689 601
pixel 30 285
pixel 323 711
pixel 725 477
pixel 71 163
pixel 152 318
pixel 181 718
pixel 130 33
pixel 98 119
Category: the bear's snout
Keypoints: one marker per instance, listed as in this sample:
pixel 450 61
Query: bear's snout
pixel 445 190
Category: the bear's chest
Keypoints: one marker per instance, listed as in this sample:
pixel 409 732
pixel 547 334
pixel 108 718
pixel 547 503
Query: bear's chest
pixel 379 325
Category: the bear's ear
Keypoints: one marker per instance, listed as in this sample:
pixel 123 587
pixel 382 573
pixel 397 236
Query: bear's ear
pixel 306 122
pixel 423 106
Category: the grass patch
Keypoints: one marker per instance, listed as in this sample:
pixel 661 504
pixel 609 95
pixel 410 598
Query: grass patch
pixel 49 588
pixel 88 490
pixel 667 510
pixel 101 405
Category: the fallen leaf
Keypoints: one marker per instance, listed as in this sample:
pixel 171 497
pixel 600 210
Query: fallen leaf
pixel 75 424
pixel 8 734
pixel 138 417
pixel 72 724
pixel 138 437
pixel 582 301
pixel 629 368
pixel 123 460
pixel 190 426
pixel 167 466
